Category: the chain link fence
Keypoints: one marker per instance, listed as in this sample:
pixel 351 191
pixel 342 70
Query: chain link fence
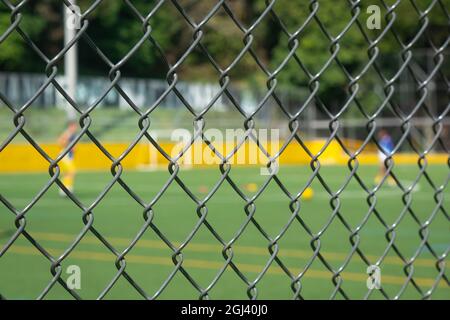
pixel 294 122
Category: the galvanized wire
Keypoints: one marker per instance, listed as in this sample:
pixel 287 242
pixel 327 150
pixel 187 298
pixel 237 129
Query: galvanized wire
pixel 172 77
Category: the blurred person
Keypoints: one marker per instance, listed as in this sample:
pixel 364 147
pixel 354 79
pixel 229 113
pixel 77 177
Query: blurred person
pixel 387 145
pixel 67 164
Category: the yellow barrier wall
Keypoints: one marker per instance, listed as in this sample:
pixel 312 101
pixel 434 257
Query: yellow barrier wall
pixel 24 158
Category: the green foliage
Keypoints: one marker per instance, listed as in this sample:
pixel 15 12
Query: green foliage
pixel 14 53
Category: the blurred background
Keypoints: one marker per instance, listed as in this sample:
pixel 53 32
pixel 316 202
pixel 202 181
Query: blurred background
pixel 350 217
pixel 115 29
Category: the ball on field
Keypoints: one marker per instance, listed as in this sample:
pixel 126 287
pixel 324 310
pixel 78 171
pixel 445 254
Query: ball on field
pixel 251 187
pixel 203 189
pixel 308 194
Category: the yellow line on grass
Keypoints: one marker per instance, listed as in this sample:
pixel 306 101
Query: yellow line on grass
pixel 215 265
pixel 202 247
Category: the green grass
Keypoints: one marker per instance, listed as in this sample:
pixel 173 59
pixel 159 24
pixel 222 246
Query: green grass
pixel 55 222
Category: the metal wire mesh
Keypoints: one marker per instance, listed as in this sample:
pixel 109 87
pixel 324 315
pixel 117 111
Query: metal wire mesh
pixel 294 123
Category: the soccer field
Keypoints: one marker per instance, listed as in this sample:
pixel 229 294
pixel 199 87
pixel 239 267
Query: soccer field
pixel 55 223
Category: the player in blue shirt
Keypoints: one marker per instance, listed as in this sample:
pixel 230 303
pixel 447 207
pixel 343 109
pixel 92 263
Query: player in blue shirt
pixel 387 145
